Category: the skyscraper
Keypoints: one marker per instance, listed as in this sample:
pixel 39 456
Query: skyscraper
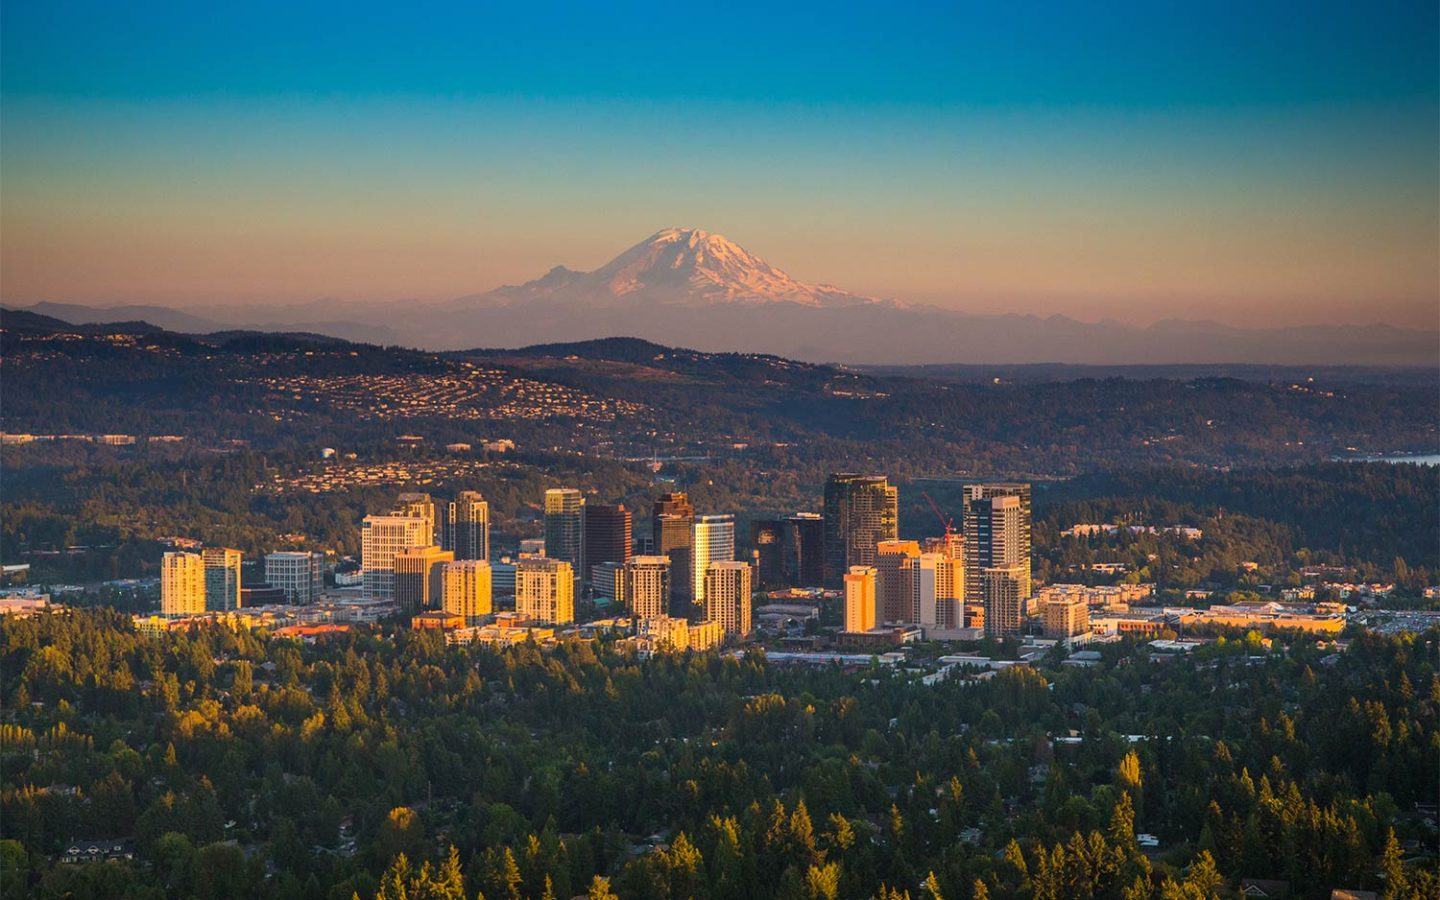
pixel 728 586
pixel 672 521
pixel 545 590
pixel 565 526
pixel 712 540
pixel 891 560
pixel 767 536
pixel 381 537
pixel 950 578
pixel 607 535
pixel 466 527
pixel 300 574
pixel 222 578
pixel 860 606
pixel 997 532
pixel 1004 602
pixel 421 506
pixel 419 579
pixel 645 586
pixel 182 584
pixel 923 577
pixel 789 552
pixel 466 589
pixel 860 512
pixel 805 549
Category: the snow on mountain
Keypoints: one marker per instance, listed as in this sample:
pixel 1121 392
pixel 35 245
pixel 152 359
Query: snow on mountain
pixel 674 267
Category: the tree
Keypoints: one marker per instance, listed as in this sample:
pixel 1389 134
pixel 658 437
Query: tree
pixel 600 889
pixel 1392 868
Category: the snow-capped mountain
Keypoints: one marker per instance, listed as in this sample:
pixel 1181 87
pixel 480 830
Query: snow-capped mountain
pixel 674 267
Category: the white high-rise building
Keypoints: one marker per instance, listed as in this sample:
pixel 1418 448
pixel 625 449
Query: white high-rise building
pixel 300 574
pixel 381 538
pixel 924 582
pixel 728 588
pixel 712 540
pixel 645 586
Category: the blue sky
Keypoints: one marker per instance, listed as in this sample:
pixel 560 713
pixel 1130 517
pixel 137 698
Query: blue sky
pixel 1254 162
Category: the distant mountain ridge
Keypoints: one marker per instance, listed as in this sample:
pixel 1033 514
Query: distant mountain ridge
pixel 692 288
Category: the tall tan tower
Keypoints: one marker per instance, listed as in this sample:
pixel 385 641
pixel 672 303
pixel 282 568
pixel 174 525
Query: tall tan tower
pixel 222 578
pixel 997 532
pixel 728 589
pixel 545 590
pixel 466 527
pixel 419 575
pixel 381 538
pixel 182 584
pixel 466 589
pixel 645 586
pixel 892 579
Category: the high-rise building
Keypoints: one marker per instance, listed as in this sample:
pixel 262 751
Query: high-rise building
pixel 466 527
pixel 300 574
pixel 997 531
pixel 466 589
pixel 645 586
pixel 728 588
pixel 860 512
pixel 545 590
pixel 893 593
pixel 182 584
pixel 419 578
pixel 607 534
pixel 860 605
pixel 789 552
pixel 222 578
pixel 805 549
pixel 767 536
pixel 381 537
pixel 923 575
pixel 420 506
pixel 950 578
pixel 712 540
pixel 672 522
pixel 1066 616
pixel 1004 601
pixel 565 526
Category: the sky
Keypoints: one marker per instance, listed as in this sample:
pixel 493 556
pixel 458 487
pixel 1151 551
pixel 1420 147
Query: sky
pixel 1255 163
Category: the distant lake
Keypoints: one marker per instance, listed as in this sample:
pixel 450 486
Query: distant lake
pixel 1419 459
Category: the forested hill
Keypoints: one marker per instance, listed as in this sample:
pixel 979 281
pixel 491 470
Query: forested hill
pixel 636 398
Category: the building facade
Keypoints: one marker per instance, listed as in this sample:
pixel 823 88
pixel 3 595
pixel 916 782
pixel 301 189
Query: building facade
pixel 182 584
pixel 300 574
pixel 892 579
pixel 1003 588
pixel 860 512
pixel 728 588
pixel 712 540
pixel 381 537
pixel 1066 617
pixel 607 535
pixel 466 589
pixel 565 526
pixel 645 586
pixel 672 524
pixel 222 578
pixel 860 605
pixel 465 530
pixel 997 531
pixel 545 590
pixel 419 578
pixel 420 506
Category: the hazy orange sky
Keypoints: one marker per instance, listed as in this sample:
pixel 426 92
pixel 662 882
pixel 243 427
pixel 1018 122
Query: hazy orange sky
pixel 1131 164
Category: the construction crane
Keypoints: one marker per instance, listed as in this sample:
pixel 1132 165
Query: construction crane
pixel 949 524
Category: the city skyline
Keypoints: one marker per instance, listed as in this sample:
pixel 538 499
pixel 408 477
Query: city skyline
pixel 1259 170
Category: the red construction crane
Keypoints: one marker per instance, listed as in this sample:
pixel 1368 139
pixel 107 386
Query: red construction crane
pixel 949 524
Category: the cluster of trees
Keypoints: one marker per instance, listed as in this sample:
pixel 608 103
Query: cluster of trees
pixel 1379 519
pixel 388 764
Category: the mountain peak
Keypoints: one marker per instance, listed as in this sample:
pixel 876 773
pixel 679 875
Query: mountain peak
pixel 677 267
